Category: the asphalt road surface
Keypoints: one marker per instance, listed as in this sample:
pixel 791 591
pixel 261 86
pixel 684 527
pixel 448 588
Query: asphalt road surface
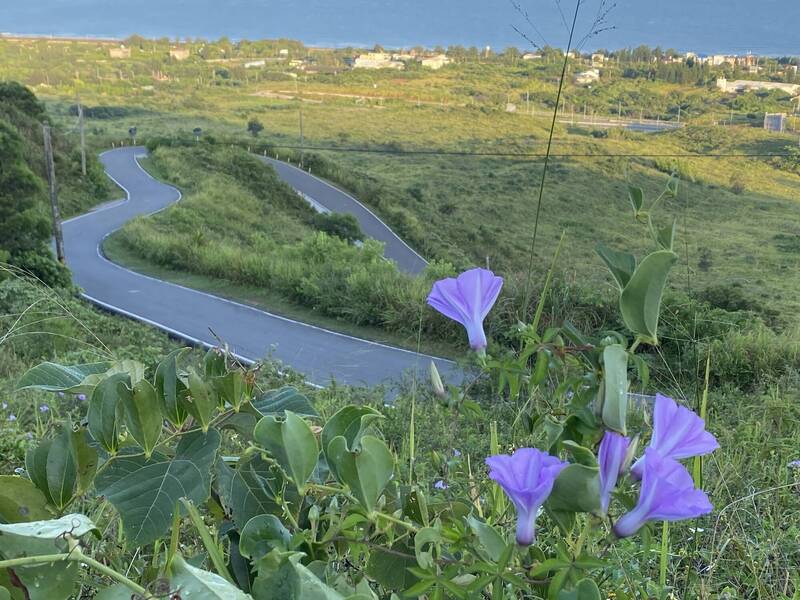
pixel 252 334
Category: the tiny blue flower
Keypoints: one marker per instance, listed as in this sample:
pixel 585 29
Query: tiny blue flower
pixel 4 405
pixel 12 417
pixel 456 452
pixel 81 397
pixel 440 485
pixel 44 408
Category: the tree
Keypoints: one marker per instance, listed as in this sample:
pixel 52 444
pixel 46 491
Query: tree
pixel 254 127
pixel 24 226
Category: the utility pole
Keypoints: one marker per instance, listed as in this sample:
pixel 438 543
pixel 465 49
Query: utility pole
pixel 51 179
pixel 83 138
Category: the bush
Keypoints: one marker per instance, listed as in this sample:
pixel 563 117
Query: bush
pixel 343 226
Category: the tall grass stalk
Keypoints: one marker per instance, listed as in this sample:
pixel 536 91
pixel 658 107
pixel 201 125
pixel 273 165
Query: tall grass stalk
pixel 546 162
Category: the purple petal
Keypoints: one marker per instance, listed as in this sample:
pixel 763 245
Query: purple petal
pixel 677 433
pixel 667 494
pixel 467 300
pixel 527 478
pixel 613 449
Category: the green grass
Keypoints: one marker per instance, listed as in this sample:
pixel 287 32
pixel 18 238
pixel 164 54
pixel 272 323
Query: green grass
pixel 264 298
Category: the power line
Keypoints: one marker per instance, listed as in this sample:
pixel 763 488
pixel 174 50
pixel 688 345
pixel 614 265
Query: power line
pixel 431 152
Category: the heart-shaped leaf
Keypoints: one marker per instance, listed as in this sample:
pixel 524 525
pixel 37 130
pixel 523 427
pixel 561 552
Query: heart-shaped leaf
pixel 143 415
pixel 366 472
pixel 52 469
pixel 350 422
pixel 145 491
pixel 292 443
pixel 106 410
pixel 202 401
pixel 636 197
pixel 261 535
pixel 170 390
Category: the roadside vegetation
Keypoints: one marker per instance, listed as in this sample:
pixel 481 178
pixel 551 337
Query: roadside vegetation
pixel 422 518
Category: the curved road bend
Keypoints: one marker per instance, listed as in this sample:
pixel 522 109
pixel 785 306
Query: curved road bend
pixel 335 200
pixel 319 354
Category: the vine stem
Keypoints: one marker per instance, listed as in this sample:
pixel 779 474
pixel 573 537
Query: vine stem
pixel 396 521
pixel 75 556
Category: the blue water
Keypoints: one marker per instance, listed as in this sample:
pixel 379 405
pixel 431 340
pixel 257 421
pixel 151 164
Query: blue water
pixel 710 26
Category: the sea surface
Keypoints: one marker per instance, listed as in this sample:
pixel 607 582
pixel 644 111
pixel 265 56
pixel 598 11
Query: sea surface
pixel 703 26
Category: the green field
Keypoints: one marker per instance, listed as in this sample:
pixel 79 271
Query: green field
pixel 436 154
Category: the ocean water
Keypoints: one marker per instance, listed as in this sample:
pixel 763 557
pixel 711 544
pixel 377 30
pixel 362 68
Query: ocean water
pixel 706 26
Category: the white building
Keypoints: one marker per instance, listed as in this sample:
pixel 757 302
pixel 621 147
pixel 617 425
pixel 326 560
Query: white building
pixel 587 77
pixel 254 64
pixel 435 62
pixel 376 60
pixel 745 85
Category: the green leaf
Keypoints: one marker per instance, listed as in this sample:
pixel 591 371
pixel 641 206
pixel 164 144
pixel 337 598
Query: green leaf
pixel 202 401
pixel 4 594
pixel 424 537
pixel 636 197
pixel 640 302
pixel 145 491
pixel 621 264
pixel 62 475
pixel 275 402
pixel 365 472
pixel 85 458
pixel 249 489
pixel 491 541
pixel 214 364
pixel 581 454
pixel 170 389
pixel 119 591
pixel 143 415
pixel 350 422
pixel 279 581
pixel 106 410
pixel 52 581
pixel 664 236
pixel 615 387
pixel 261 535
pixel 292 443
pixel 577 489
pixel 232 389
pixel 53 377
pixel 21 501
pixel 586 589
pixel 391 570
pixel 197 583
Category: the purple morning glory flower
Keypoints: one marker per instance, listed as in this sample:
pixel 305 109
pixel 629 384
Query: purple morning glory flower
pixel 677 433
pixel 81 397
pixel 456 452
pixel 667 494
pixel 440 485
pixel 527 478
pixel 44 408
pixel 613 449
pixel 467 299
pixel 12 417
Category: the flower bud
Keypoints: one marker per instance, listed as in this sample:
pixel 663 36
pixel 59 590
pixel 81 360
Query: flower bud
pixel 436 382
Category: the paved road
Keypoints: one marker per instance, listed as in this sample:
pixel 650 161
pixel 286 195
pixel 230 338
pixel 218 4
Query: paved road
pixel 335 200
pixel 320 354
